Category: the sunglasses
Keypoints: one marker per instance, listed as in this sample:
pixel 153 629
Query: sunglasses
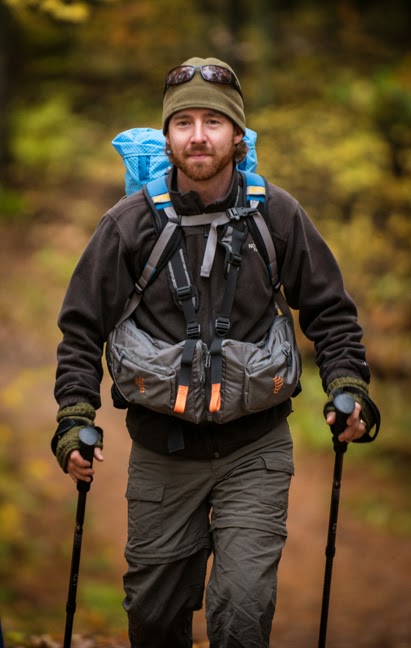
pixel 211 73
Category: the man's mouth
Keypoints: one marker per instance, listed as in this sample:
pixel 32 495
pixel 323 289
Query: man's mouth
pixel 198 154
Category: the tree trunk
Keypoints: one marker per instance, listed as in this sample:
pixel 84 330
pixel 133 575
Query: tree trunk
pixel 5 32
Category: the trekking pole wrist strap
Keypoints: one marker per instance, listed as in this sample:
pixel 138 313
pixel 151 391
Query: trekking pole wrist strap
pixel 375 412
pixel 67 424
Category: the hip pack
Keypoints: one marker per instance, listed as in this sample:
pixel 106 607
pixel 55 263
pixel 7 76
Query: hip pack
pixel 189 380
pixel 253 377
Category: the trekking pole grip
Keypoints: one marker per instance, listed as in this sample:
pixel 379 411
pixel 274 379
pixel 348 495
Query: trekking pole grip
pixel 88 437
pixel 344 405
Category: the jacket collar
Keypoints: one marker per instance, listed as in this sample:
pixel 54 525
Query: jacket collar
pixel 191 203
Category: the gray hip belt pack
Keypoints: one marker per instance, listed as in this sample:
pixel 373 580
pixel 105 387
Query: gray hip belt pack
pixel 255 377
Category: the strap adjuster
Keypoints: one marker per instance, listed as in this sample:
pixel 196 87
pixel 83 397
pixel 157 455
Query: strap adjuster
pixel 237 213
pixel 233 213
pixel 234 259
pixel 222 325
pixel 193 330
pixel 184 292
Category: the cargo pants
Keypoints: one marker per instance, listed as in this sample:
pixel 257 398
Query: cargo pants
pixel 180 511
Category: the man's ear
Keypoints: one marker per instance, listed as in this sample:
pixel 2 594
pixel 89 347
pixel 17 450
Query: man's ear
pixel 238 135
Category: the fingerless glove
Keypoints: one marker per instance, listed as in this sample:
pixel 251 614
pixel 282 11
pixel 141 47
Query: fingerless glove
pixel 71 420
pixel 358 389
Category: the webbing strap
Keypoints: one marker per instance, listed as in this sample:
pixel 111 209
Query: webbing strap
pixel 215 220
pixel 223 323
pixel 185 296
pixel 185 375
pixel 184 292
pixel 269 246
pixel 156 252
pixel 281 302
pixel 150 269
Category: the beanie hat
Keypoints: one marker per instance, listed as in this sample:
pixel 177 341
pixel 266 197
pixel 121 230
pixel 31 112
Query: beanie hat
pixel 198 93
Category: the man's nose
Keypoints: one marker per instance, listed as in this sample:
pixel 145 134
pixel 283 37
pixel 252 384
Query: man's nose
pixel 198 132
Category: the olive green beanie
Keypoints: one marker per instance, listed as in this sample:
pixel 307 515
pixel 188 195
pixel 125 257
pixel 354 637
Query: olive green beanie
pixel 198 93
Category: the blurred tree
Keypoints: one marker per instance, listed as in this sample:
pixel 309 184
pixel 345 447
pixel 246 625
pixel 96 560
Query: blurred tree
pixel 9 45
pixel 18 19
pixel 392 116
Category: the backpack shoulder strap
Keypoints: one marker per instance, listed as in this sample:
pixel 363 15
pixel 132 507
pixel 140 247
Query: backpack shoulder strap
pixel 256 191
pixel 255 188
pixel 156 193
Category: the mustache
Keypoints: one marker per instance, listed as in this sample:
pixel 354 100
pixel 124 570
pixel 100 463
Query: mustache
pixel 199 148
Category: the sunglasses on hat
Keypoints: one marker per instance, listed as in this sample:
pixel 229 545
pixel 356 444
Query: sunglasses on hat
pixel 211 73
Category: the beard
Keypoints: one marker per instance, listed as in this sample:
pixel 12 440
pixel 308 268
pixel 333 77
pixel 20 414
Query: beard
pixel 202 169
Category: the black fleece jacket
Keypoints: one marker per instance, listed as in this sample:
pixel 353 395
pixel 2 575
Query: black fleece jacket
pixel 114 258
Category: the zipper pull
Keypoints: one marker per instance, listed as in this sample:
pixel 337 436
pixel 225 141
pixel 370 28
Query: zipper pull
pixel 118 370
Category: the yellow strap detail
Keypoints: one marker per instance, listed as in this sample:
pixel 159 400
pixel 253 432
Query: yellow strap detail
pixel 215 401
pixel 181 399
pixel 254 190
pixel 165 197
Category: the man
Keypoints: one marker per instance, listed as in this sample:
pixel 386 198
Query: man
pixel 180 472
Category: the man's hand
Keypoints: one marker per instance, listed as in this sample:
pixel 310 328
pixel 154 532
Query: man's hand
pixel 355 425
pixel 79 468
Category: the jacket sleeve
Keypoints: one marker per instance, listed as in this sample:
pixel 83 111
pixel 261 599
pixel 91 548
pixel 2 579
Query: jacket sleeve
pixel 328 316
pixel 94 301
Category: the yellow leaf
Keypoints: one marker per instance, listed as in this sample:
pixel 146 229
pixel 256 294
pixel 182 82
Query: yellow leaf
pixel 10 521
pixel 38 469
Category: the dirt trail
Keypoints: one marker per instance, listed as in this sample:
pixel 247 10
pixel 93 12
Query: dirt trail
pixel 371 586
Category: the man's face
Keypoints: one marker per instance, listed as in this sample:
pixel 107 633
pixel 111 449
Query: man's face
pixel 201 142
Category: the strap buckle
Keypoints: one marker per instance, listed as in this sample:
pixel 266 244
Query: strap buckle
pixel 222 325
pixel 237 213
pixel 193 330
pixel 234 259
pixel 184 292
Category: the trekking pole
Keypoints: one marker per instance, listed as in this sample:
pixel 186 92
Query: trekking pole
pixel 88 437
pixel 1 637
pixel 344 405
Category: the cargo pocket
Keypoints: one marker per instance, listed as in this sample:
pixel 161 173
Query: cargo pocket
pixel 274 492
pixel 144 509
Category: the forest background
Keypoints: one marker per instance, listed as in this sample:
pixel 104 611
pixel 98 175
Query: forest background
pixel 327 89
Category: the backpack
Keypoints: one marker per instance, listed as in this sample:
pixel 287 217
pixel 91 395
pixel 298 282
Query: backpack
pixel 230 379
